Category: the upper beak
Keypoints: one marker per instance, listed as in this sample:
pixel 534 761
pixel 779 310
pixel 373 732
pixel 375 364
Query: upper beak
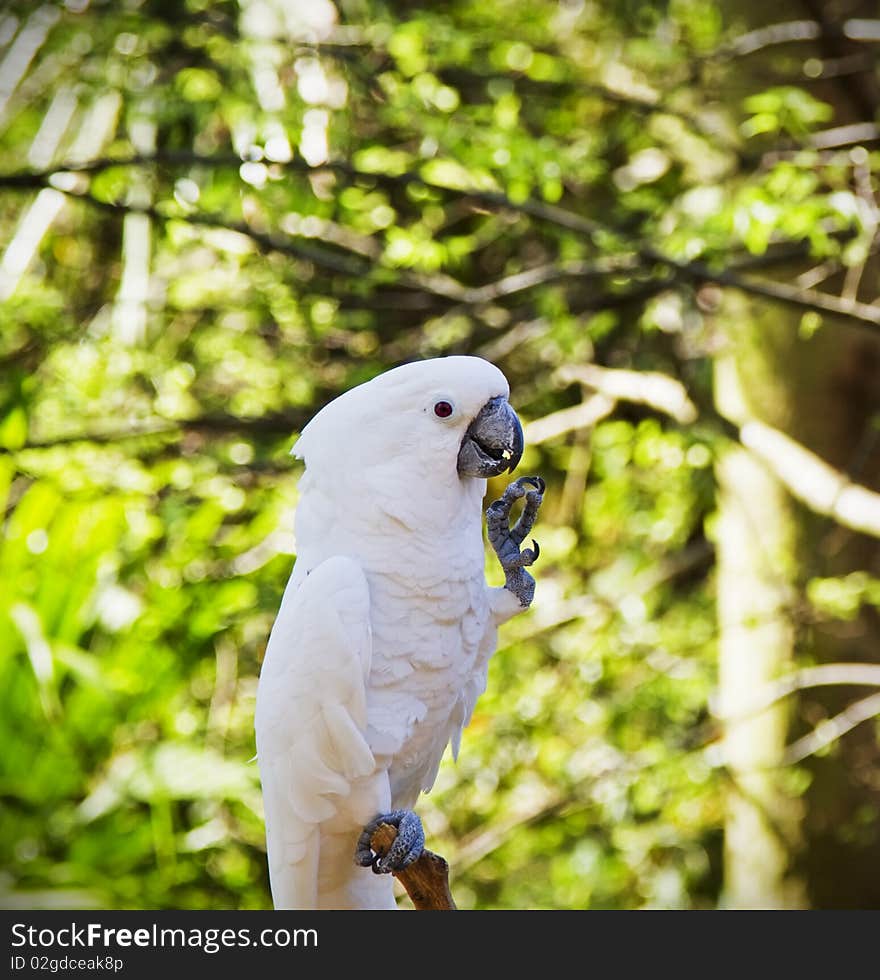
pixel 493 442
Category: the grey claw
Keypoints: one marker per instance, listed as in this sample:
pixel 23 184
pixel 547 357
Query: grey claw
pixel 507 541
pixel 535 481
pixel 407 846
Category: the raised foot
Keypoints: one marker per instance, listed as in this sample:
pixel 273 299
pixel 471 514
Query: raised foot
pixel 407 846
pixel 506 540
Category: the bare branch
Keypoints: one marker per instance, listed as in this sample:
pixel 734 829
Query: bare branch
pixel 445 286
pixel 809 299
pixel 271 424
pixel 825 675
pixel 548 212
pixel 549 272
pixel 811 480
pixel 832 729
pixel 611 385
pixel 862 132
pixel 765 37
pixel 582 416
pixel 652 388
pixel 836 41
pixel 799 31
pixel 264 240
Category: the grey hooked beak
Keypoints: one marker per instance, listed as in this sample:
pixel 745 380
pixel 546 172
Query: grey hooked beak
pixel 493 442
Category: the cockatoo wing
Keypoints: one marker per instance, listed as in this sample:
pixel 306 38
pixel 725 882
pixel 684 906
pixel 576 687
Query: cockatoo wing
pixel 311 718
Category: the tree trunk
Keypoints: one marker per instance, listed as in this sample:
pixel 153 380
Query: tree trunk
pixel 808 832
pixel 823 393
pixel 756 544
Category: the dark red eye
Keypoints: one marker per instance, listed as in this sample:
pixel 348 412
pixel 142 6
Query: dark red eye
pixel 443 410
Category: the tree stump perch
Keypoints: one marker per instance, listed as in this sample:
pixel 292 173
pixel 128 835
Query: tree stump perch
pixel 426 880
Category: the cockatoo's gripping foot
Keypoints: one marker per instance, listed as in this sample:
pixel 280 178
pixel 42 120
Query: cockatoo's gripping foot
pixel 506 540
pixel 407 846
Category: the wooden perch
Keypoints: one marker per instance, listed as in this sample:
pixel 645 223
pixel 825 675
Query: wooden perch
pixel 426 880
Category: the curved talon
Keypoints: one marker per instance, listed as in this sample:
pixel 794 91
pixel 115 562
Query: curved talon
pixel 536 548
pixel 525 559
pixel 535 481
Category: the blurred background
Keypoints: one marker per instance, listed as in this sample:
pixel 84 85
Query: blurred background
pixel 659 219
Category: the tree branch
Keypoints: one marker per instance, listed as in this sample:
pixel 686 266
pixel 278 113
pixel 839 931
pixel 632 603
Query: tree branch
pixel 825 675
pixel 266 241
pixel 549 272
pixel 811 480
pixel 798 31
pixel 651 388
pixel 807 299
pixel 582 416
pixel 446 286
pixel 426 880
pixel 832 729
pixel 861 132
pixel 271 424
pixel 807 477
pixel 836 41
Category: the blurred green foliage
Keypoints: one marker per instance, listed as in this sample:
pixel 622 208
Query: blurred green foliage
pixel 318 203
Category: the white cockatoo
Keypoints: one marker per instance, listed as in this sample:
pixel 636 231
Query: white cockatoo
pixel 381 645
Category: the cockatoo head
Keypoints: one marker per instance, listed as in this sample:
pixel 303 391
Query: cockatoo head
pixel 444 417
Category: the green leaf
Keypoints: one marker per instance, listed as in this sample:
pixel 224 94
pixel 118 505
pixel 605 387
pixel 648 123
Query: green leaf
pixel 14 429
